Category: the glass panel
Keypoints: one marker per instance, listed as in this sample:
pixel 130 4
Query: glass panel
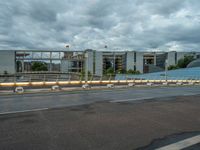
pixel 56 65
pixel 27 66
pixel 45 55
pixel 28 55
pixel 62 55
pixel 55 55
pixel 36 55
pixel 40 65
pixel 19 55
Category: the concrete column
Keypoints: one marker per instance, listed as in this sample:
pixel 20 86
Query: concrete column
pixel 139 62
pixel 98 63
pixel 155 59
pixel 22 65
pixel 114 62
pixel 171 58
pixel 50 65
pixel 130 61
pixel 7 62
pixel 89 61
pixel 65 65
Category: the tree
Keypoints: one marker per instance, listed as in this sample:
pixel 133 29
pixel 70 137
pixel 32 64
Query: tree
pixel 121 71
pixel 82 75
pixel 110 71
pixel 130 71
pixel 137 72
pixel 5 72
pixel 182 63
pixel 172 67
pixel 39 66
pixel 89 75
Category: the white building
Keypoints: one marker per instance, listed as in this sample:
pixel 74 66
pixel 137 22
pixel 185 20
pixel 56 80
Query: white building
pixel 96 62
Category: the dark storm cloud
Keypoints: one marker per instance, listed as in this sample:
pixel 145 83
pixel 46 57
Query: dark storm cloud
pixel 43 14
pixel 128 24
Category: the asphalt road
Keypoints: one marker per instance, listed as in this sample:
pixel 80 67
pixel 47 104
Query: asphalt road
pixel 142 124
pixel 28 102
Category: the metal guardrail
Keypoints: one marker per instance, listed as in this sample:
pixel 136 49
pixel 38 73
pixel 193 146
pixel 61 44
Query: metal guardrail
pixel 93 82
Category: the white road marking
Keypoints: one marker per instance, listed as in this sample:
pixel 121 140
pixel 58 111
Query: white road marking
pixel 145 98
pixel 133 99
pixel 189 94
pixel 182 144
pixel 23 111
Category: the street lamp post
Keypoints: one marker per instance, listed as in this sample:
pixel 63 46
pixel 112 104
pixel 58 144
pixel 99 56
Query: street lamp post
pixel 166 63
pixel 86 67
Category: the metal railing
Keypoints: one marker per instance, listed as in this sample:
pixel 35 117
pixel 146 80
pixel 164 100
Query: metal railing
pixel 64 80
pixel 92 82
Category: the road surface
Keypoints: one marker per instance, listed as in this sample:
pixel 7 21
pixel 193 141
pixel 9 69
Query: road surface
pixel 28 102
pixel 136 118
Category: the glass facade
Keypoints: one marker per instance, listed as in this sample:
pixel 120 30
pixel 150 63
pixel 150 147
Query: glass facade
pixel 116 62
pixel 49 60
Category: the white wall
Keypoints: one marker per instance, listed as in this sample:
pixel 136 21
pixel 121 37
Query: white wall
pixel 98 63
pixel 139 61
pixel 130 61
pixel 65 65
pixel 171 58
pixel 7 62
pixel 89 61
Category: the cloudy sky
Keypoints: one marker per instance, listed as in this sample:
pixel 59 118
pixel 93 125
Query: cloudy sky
pixel 119 24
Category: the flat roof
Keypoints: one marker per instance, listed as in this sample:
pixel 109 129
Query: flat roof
pixel 44 50
pixel 101 50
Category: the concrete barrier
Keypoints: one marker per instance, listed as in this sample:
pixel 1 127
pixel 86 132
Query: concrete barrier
pixel 191 83
pixel 179 83
pixel 110 85
pixel 86 86
pixel 150 84
pixel 131 84
pixel 19 89
pixel 165 83
pixel 55 88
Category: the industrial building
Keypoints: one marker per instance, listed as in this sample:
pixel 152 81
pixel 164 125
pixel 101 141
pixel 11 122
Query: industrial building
pixel 94 61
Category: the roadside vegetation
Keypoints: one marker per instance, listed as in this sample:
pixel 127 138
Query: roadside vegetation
pixel 182 63
pixel 39 66
pixel 110 71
